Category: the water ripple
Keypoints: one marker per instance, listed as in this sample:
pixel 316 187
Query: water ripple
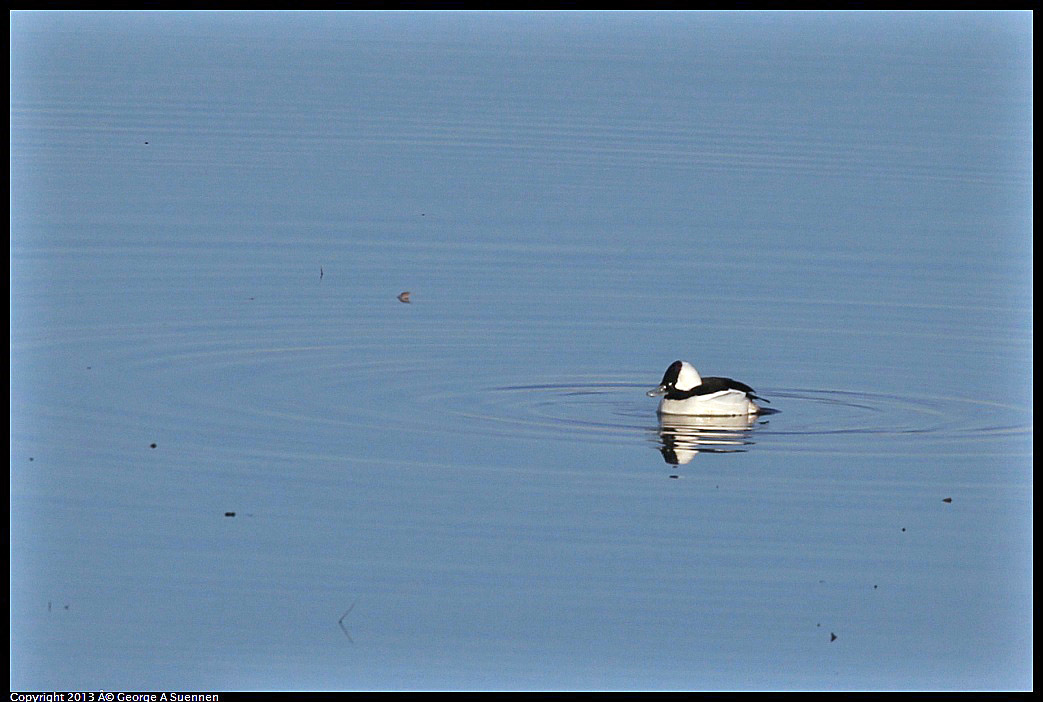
pixel 800 419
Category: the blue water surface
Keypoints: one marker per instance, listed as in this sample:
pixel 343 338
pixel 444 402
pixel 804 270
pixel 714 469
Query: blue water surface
pixel 240 462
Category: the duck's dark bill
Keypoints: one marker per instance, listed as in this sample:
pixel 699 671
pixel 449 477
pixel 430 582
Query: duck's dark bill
pixel 655 392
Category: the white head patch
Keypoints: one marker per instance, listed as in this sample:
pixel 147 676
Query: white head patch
pixel 688 377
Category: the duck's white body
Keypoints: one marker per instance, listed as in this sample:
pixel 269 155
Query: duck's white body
pixel 685 392
pixel 727 403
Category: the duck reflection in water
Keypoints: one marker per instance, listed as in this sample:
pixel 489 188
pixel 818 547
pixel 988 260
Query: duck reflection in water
pixel 681 437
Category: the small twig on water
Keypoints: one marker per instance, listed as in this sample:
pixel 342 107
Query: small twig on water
pixel 345 616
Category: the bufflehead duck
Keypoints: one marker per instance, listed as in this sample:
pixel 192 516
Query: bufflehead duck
pixel 684 391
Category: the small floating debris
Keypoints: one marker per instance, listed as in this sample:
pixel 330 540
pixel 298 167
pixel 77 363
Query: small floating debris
pixel 320 272
pixel 948 500
pixel 344 616
pixel 404 297
pixel 832 637
pixel 152 445
pixel 229 514
pixel 674 477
